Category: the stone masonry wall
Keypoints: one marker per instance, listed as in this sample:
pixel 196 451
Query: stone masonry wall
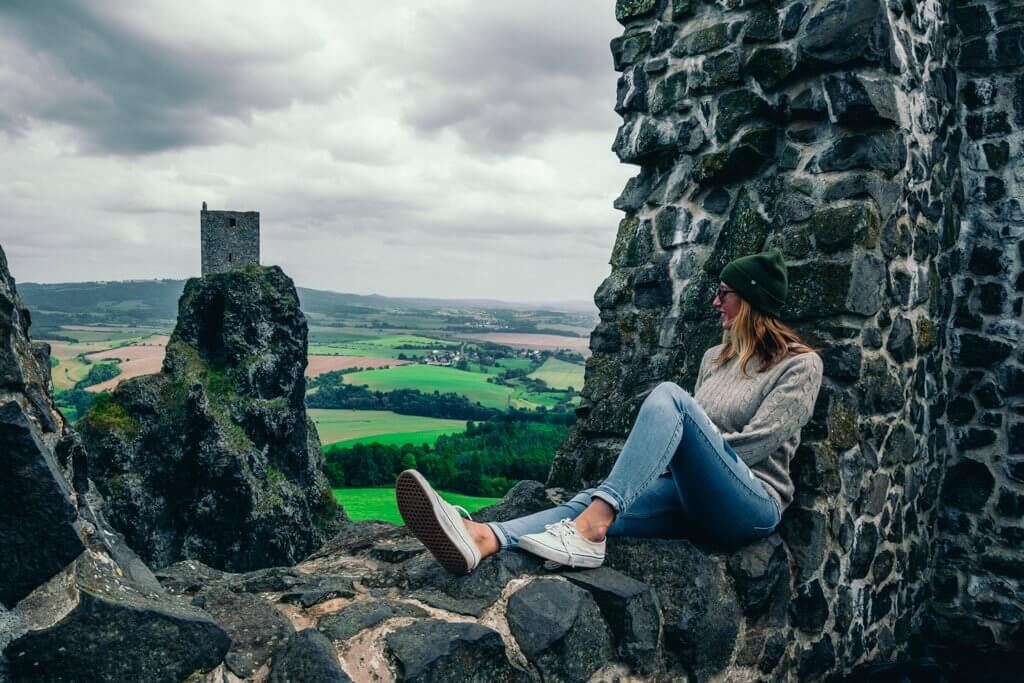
pixel 230 239
pixel 832 130
pixel 978 576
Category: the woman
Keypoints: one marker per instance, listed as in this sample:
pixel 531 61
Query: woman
pixel 713 466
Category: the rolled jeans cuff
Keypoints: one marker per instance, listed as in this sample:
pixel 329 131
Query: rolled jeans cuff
pixel 499 533
pixel 609 496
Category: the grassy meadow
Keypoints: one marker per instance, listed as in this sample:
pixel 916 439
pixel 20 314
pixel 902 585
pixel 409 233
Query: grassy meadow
pixel 429 378
pixel 348 427
pixel 381 346
pixel 379 503
pixel 559 374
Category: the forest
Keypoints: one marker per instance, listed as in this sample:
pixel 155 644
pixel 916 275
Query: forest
pixel 486 460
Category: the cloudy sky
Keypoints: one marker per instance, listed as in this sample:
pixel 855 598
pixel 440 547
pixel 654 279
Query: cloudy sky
pixel 448 148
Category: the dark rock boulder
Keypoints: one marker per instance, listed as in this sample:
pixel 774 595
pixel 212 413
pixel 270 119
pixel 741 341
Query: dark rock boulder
pixel 700 611
pixel 307 657
pixel 560 630
pixel 470 594
pixel 255 628
pixel 759 570
pixel 114 630
pixel 435 650
pixel 358 616
pixel 37 519
pixel 319 588
pixel 631 609
pixel 214 458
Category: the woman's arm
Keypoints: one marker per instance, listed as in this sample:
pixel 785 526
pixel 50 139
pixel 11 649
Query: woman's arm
pixel 704 361
pixel 782 413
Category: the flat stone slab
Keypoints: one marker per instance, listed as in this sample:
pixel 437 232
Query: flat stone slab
pixel 307 656
pixel 441 651
pixel 358 616
pixel 256 629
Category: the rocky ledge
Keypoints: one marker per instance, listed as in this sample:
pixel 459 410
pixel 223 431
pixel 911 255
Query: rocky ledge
pixel 373 605
pixel 214 458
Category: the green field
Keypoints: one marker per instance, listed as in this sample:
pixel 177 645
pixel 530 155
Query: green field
pixel 559 374
pixel 428 378
pixel 382 346
pixel 362 504
pixel 383 426
pixel 514 363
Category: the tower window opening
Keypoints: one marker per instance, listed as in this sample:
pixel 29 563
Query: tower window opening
pixel 229 254
pixel 232 222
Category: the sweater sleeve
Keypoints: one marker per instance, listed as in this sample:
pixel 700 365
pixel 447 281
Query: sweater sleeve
pixel 782 413
pixel 702 370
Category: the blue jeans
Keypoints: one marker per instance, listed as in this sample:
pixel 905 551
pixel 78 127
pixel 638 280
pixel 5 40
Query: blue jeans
pixel 711 495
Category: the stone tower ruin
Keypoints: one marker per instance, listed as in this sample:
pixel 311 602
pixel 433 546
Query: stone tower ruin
pixel 877 144
pixel 231 239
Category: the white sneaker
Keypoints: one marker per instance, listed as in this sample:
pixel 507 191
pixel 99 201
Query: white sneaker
pixel 437 524
pixel 562 544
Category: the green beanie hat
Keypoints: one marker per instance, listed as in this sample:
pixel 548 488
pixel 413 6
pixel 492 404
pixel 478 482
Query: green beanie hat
pixel 760 279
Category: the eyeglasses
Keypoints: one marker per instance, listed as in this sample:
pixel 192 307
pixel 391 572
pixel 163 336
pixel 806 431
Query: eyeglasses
pixel 723 292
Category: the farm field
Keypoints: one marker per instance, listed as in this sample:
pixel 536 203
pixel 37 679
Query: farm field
pixel 428 378
pixel 382 346
pixel 143 358
pixel 559 374
pixel 573 329
pixel 324 334
pixel 71 369
pixel 318 365
pixel 334 425
pixel 525 340
pixel 379 503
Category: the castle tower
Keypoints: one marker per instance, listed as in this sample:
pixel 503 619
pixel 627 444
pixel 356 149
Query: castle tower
pixel 230 239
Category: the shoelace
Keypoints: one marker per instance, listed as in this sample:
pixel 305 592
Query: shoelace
pixel 560 530
pixel 462 511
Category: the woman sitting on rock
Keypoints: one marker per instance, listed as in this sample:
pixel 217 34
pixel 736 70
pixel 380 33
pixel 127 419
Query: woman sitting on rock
pixel 714 465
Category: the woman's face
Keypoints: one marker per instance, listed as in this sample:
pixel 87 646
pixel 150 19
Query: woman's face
pixel 727 301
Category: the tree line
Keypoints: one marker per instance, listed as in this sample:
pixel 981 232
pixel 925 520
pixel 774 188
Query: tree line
pixel 487 459
pixel 333 392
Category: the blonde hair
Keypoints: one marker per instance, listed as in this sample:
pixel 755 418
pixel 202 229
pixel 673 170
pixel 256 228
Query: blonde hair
pixel 755 333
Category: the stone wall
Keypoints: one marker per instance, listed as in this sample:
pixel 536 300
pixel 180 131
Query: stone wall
pixel 230 239
pixel 978 576
pixel 832 130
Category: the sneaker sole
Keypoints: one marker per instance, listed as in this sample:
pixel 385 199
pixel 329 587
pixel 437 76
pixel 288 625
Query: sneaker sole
pixel 559 557
pixel 419 512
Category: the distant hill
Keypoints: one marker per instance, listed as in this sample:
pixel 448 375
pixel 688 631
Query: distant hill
pixel 155 302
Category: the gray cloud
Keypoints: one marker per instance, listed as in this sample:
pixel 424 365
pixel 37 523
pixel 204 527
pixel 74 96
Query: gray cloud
pixel 510 76
pixel 126 92
pixel 451 148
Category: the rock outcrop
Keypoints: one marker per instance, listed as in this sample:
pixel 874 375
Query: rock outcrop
pixel 214 458
pixel 77 603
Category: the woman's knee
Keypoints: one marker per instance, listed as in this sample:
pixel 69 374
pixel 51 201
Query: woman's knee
pixel 671 396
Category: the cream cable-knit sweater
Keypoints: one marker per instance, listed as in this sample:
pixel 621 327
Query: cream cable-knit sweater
pixel 761 416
